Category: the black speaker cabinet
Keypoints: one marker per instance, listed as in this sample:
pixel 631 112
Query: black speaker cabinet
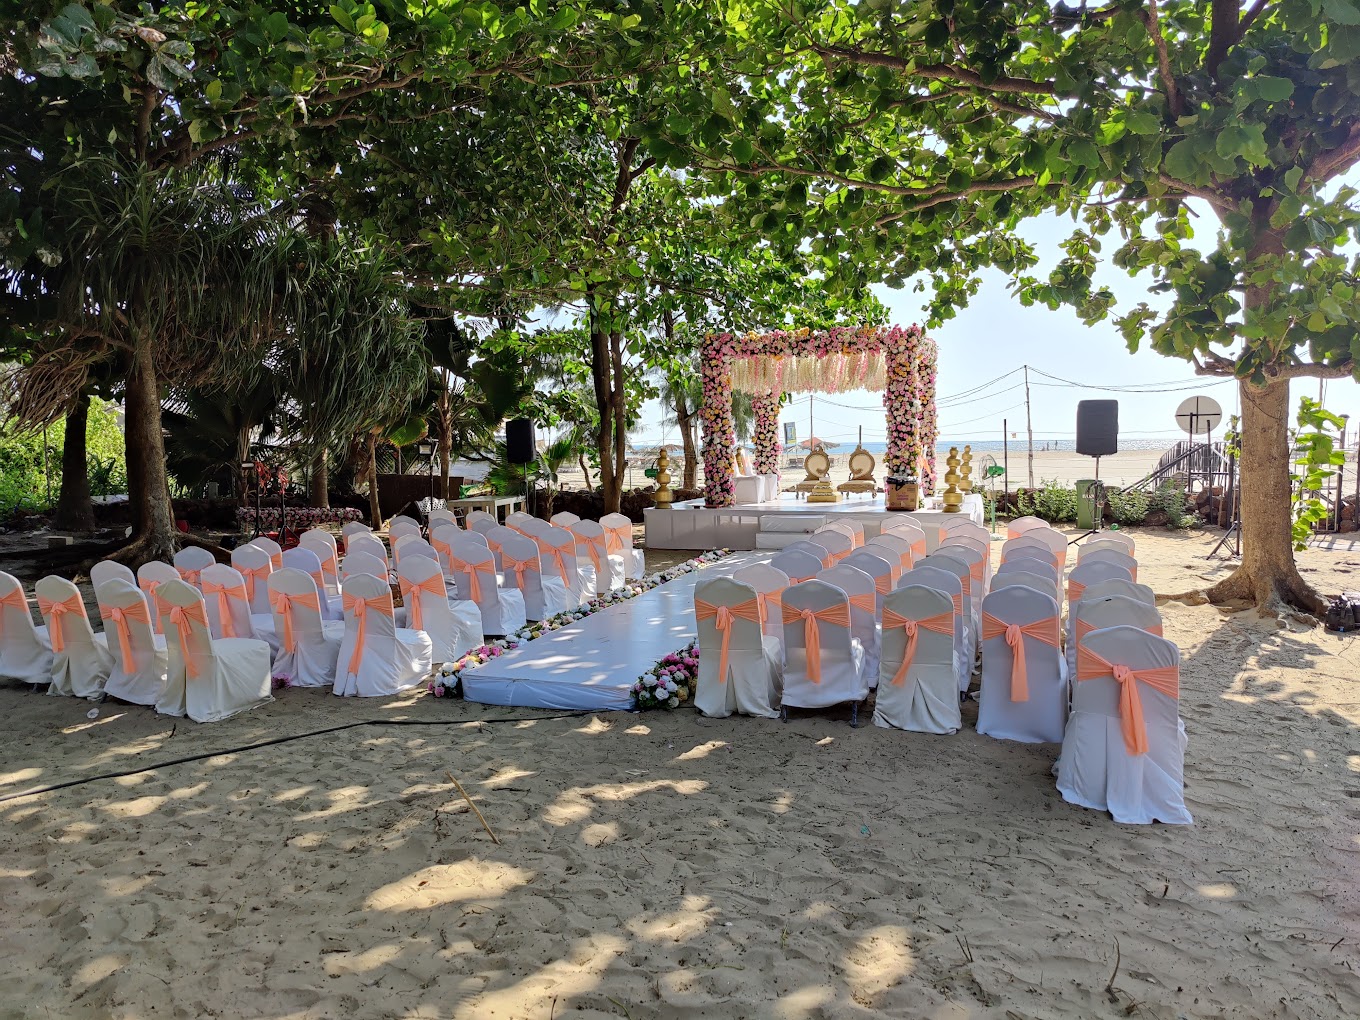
pixel 519 440
pixel 1097 427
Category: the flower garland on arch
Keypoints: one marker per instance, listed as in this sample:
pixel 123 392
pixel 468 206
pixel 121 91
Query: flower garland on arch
pixel 768 447
pixel 899 359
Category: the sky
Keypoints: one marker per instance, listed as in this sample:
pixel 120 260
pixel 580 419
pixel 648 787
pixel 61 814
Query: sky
pixel 995 334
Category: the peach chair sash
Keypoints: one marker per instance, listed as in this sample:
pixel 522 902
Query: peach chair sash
pixel 751 609
pixel 149 587
pixel 56 611
pixel 883 583
pixel 360 608
pixel 1046 630
pixel 595 549
pixel 1166 679
pixel 283 603
pixel 868 602
pixel 14 600
pixel 561 564
pixel 1074 590
pixel 119 616
pixel 181 617
pixel 771 601
pixel 613 538
pixel 328 563
pixel 474 582
pixel 194 577
pixel 918 549
pixel 812 631
pixel 1085 627
pixel 225 593
pixel 519 568
pixel 254 576
pixel 940 624
pixel 410 593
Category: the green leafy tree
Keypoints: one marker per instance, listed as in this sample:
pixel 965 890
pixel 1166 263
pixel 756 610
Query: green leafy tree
pixel 906 141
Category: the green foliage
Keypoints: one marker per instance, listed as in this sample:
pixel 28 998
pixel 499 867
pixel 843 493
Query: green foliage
pixel 1317 457
pixel 1170 499
pixel 23 484
pixel 1052 502
pixel 1129 507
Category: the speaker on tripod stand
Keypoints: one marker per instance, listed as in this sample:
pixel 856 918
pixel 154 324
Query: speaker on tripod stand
pixel 1097 436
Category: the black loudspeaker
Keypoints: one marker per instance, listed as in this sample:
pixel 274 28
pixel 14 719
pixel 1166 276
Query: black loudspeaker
pixel 519 440
pixel 1097 427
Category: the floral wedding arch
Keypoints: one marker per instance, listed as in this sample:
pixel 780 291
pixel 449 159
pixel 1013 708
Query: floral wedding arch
pixel 898 360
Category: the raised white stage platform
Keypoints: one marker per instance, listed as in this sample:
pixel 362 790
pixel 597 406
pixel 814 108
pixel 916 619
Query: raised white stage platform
pixel 592 664
pixel 691 525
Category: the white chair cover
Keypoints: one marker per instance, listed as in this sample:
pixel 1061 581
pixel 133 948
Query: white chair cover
pixel 400 543
pixel 841 659
pixel 926 697
pixel 270 546
pixel 399 529
pixel 207 680
pixel 495 539
pixel 906 528
pixel 948 583
pixel 478 537
pixel 1098 769
pixel 454 626
pixel 950 560
pixel 363 563
pixel 835 542
pixel 872 560
pixel 441 514
pixel 523 523
pixel 618 531
pixel 229 609
pixel 965 549
pixel 190 562
pixel 564 519
pixel 754 667
pixel 25 650
pixel 352 528
pixel 1032 566
pixel 1096 544
pixel 139 657
pixel 402 521
pixel 150 576
pixel 1084 574
pixel 1121 537
pixel 796 565
pixel 805 545
pixel 309 563
pixel 1025 579
pixel 895 549
pixel 557 551
pixel 445 522
pixel 851 530
pixel 545 595
pixel 1110 556
pixel 863 595
pixel 254 566
pixel 316 643
pixel 592 547
pixel 1096 612
pixel 366 543
pixel 502 610
pixel 1055 540
pixel 110 570
pixel 80 659
pixel 376 657
pixel 1024 525
pixel 480 520
pixel 323 544
pixel 1029 547
pixel 769 584
pixel 1035 711
pixel 1119 586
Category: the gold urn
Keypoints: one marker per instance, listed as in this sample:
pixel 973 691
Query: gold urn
pixel 952 498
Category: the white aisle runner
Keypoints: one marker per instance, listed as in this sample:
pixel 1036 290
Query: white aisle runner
pixel 592 664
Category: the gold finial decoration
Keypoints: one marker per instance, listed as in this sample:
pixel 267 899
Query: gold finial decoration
pixel 966 471
pixel 663 496
pixel 952 498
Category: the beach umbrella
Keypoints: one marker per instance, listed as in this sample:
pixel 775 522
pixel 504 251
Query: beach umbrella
pixel 814 442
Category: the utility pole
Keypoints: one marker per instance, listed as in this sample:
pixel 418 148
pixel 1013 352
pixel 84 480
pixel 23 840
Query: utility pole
pixel 1029 428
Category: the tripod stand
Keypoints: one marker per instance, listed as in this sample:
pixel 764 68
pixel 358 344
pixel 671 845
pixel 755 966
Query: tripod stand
pixel 1235 528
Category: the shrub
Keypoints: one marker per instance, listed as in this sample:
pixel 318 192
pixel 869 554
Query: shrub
pixel 1129 507
pixel 22 484
pixel 1053 502
pixel 1170 499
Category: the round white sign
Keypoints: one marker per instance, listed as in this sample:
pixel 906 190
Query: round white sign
pixel 1199 415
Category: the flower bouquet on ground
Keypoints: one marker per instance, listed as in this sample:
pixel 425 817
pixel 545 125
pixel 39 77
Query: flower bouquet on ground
pixel 448 681
pixel 670 683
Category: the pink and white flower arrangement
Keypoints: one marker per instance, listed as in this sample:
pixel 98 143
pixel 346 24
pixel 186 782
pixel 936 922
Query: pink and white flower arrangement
pixel 905 355
pixel 670 683
pixel 298 516
pixel 448 683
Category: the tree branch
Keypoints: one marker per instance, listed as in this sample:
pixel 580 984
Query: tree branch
pixel 1252 14
pixel 1174 102
pixel 1310 370
pixel 936 72
pixel 1223 32
pixel 976 188
pixel 1212 197
pixel 1219 365
pixel 1327 164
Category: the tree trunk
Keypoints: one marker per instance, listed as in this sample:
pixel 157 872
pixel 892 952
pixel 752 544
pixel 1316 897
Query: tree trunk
pixel 619 405
pixel 320 483
pixel 445 433
pixel 374 509
pixel 685 419
pixel 74 512
pixel 153 519
pixel 585 470
pixel 1268 575
pixel 601 375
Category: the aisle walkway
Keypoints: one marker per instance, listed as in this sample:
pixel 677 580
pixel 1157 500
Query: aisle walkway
pixel 593 663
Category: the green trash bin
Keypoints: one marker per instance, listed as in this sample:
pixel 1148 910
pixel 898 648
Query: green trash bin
pixel 1085 506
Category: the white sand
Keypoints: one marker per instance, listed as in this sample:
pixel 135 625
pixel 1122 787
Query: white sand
pixel 668 866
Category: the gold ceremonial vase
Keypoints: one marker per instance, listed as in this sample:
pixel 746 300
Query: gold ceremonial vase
pixel 952 498
pixel 966 471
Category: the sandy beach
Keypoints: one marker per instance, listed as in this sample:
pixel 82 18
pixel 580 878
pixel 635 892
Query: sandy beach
pixel 670 866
